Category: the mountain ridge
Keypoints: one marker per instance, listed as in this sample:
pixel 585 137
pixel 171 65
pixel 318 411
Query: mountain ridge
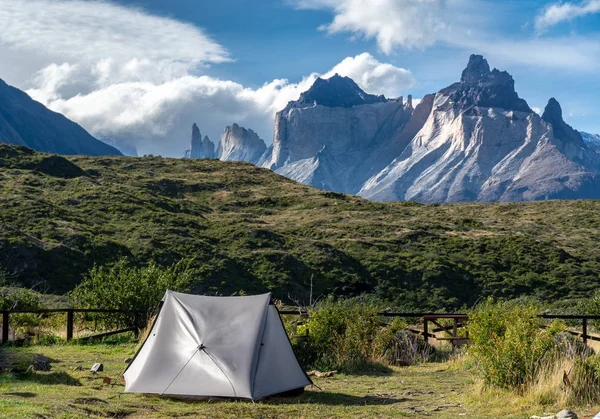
pixel 23 121
pixel 475 140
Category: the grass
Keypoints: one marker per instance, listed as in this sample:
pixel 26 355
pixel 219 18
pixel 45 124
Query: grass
pixel 250 229
pixel 443 390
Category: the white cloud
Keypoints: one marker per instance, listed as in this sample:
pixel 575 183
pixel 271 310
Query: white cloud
pixel 560 12
pixel 157 116
pixel 373 76
pixel 409 23
pixel 90 31
pixel 468 25
pixel 137 78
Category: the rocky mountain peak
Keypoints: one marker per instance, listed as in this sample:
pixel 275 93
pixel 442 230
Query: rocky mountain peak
pixel 477 70
pixel 200 149
pixel 481 87
pixel 336 91
pixel 553 115
pixel 552 111
pixel 240 144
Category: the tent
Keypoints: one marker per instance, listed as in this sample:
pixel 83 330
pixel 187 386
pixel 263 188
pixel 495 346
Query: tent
pixel 203 346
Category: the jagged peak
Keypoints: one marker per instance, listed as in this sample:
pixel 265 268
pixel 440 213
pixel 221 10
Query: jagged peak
pixel 479 86
pixel 336 91
pixel 552 111
pixel 553 115
pixel 477 69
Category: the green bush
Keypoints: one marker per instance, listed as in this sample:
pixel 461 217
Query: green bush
pixel 348 335
pixel 591 307
pixel 508 343
pixel 13 298
pixel 585 381
pixel 395 345
pixel 128 287
pixel 340 335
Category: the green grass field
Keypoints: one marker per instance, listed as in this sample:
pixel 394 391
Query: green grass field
pixel 442 390
pixel 246 228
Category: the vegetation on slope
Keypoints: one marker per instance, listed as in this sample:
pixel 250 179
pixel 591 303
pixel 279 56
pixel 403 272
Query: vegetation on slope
pixel 246 228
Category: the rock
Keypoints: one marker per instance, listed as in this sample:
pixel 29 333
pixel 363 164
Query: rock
pixel 128 360
pixel 240 144
pixel 97 367
pixel 566 414
pixel 321 374
pixel 78 368
pixel 336 91
pixel 41 363
pixel 200 148
pixel 475 140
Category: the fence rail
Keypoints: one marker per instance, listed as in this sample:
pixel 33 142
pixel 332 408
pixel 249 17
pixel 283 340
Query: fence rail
pixel 459 320
pixel 431 317
pixel 137 319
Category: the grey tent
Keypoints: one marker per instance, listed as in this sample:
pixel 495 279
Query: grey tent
pixel 216 347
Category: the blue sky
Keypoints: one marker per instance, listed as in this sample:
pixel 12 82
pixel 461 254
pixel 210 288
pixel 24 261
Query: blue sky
pixel 142 70
pixel 273 39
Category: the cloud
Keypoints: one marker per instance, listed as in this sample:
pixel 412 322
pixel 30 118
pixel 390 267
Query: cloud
pixel 156 116
pixel 90 31
pixel 132 77
pixel 373 76
pixel 409 23
pixel 561 12
pixel 469 25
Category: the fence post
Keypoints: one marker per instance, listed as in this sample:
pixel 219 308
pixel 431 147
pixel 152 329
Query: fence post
pixel 585 335
pixel 425 331
pixel 4 326
pixel 69 325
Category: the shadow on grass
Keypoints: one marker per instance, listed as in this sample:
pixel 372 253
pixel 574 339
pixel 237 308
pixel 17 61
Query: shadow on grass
pixel 27 395
pixel 311 397
pixel 52 378
pixel 335 399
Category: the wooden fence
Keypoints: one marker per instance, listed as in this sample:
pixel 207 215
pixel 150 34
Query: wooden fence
pixel 459 320
pixel 137 315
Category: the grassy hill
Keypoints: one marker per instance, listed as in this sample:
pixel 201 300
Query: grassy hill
pixel 249 228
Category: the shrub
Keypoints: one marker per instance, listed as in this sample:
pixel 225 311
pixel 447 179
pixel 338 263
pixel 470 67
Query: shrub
pixel 395 345
pixel 350 336
pixel 341 335
pixel 13 298
pixel 127 287
pixel 508 342
pixel 591 307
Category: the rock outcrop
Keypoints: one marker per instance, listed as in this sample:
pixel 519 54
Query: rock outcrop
pixel 23 121
pixel 475 140
pixel 200 148
pixel 481 142
pixel 240 144
pixel 324 139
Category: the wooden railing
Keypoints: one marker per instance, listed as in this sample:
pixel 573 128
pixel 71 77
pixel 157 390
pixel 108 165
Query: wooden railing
pixel 460 319
pixel 138 317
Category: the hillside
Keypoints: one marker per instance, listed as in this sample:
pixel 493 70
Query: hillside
pixel 249 228
pixel 23 121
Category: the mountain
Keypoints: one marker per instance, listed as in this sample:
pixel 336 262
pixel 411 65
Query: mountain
pixel 246 228
pixel 326 138
pixel 475 140
pixel 592 141
pixel 200 148
pixel 240 144
pixel 26 122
